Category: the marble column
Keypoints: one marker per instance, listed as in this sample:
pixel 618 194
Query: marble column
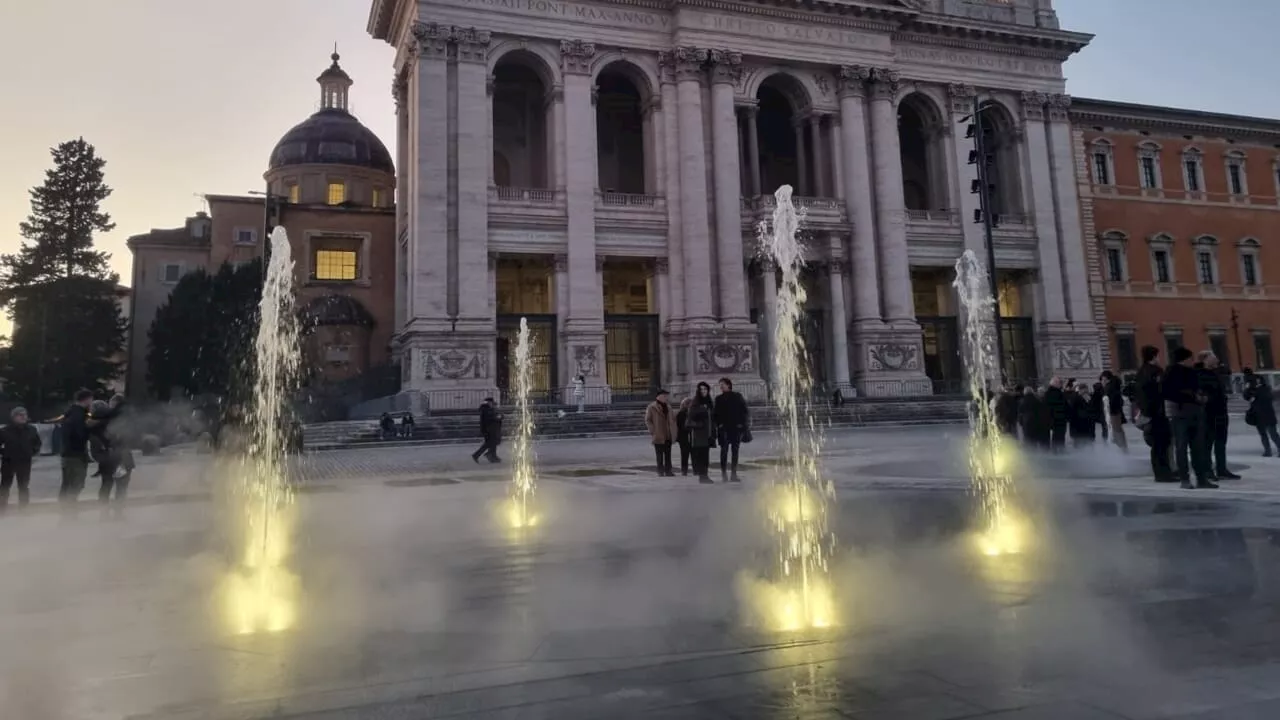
pixel 1052 298
pixel 837 157
pixel 819 157
pixel 488 150
pixel 1071 242
pixel 839 323
pixel 858 194
pixel 890 206
pixel 555 112
pixel 963 99
pixel 802 160
pixel 475 162
pixel 429 181
pixel 670 148
pixel 491 283
pixel 726 68
pixel 753 150
pixel 694 220
pixel 662 281
pixel 584 328
pixel 400 91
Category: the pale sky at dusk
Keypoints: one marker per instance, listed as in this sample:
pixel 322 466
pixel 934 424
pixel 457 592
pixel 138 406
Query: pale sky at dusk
pixel 185 97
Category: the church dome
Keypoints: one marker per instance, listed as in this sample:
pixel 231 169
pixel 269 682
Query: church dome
pixel 332 136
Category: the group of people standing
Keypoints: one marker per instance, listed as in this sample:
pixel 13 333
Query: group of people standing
pixel 1045 417
pixel 701 423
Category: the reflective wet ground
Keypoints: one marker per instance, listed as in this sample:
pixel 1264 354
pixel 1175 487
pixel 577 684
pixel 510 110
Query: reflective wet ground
pixel 626 600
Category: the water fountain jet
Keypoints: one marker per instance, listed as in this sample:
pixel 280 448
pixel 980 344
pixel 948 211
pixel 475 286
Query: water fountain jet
pixel 523 480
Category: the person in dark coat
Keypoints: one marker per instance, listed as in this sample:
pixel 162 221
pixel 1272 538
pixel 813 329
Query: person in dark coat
pixel 1184 399
pixel 731 418
pixel 1031 416
pixel 103 449
pixel 1262 410
pixel 1150 414
pixel 387 425
pixel 1113 391
pixel 19 444
pixel 682 434
pixel 75 424
pixel 1214 382
pixel 1055 399
pixel 700 428
pixel 490 430
pixel 1098 406
pixel 407 425
pixel 1006 411
pixel 1081 422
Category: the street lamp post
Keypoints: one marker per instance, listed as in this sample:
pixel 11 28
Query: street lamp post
pixel 1235 332
pixel 982 187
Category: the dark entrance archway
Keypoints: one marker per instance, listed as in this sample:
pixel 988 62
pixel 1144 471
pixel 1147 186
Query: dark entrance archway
pixel 632 356
pixel 542 355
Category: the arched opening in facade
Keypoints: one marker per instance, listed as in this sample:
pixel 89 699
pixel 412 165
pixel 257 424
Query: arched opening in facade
pixel 923 165
pixel 621 131
pixel 520 123
pixel 1000 139
pixel 781 135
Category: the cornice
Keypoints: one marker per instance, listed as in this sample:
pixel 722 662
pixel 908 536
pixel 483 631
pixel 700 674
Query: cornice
pixel 1020 40
pixel 879 18
pixel 1117 115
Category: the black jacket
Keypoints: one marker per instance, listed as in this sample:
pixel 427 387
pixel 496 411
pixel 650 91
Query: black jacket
pixel 1007 412
pixel 1115 396
pixel 19 442
pixel 490 420
pixel 1080 416
pixel 730 411
pixel 682 435
pixel 1056 401
pixel 1261 402
pixel 1181 385
pixel 1148 393
pixel 75 432
pixel 1213 383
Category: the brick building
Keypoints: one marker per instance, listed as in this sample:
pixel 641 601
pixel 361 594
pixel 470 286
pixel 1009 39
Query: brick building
pixel 1181 219
pixel 332 181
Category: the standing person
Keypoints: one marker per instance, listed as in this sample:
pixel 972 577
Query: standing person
pixel 1114 393
pixel 1184 403
pixel 661 423
pixel 580 392
pixel 1150 414
pixel 1029 412
pixel 1262 410
pixel 103 452
pixel 490 431
pixel 1213 383
pixel 1006 411
pixel 75 447
pixel 731 418
pixel 682 434
pixel 19 444
pixel 121 434
pixel 1098 406
pixel 698 425
pixel 407 425
pixel 1055 400
pixel 388 426
pixel 1080 418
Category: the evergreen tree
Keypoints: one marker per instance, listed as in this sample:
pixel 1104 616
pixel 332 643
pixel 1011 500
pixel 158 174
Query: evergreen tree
pixel 59 291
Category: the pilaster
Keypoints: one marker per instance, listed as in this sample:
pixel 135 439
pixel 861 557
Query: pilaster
pixel 690 71
pixel 726 69
pixel 474 163
pixel 1051 297
pixel 671 186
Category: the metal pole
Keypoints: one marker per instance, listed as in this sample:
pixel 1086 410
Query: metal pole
pixel 984 201
pixel 1235 331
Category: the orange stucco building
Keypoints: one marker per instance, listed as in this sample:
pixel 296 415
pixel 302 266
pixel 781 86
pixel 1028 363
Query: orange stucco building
pixel 1181 220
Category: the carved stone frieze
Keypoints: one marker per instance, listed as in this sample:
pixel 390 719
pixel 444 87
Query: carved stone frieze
pixel 576 56
pixel 1059 107
pixel 585 362
pixel 1033 105
pixel 1075 357
pixel 962 97
pixel 852 80
pixel 455 364
pixel 725 358
pixel 726 66
pixel 884 83
pixel 893 357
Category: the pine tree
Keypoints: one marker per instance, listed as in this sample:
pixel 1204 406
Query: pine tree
pixel 59 290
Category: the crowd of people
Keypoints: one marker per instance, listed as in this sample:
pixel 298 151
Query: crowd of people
pixel 1046 417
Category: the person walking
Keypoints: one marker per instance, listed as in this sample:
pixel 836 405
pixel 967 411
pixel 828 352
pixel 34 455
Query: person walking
pixel 1150 416
pixel 732 419
pixel 75 447
pixel 1184 403
pixel 1055 399
pixel 1214 383
pixel 682 434
pixel 101 448
pixel 661 423
pixel 698 425
pixel 1113 391
pixel 490 431
pixel 1262 410
pixel 580 393
pixel 19 444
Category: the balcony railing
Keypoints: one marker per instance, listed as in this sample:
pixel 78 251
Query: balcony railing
pixel 935 216
pixel 617 199
pixel 524 195
pixel 768 202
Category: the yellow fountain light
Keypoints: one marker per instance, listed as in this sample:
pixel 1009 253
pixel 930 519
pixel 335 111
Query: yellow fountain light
pixel 1007 535
pixel 784 607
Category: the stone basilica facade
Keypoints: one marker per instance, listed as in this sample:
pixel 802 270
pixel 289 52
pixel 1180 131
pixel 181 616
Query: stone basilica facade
pixel 601 168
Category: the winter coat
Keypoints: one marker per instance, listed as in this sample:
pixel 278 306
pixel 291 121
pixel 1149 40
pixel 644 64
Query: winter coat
pixel 661 422
pixel 1261 402
pixel 1080 417
pixel 20 442
pixel 1213 383
pixel 1007 413
pixel 698 425
pixel 1056 402
pixel 682 431
pixel 1149 391
pixel 1115 396
pixel 75 432
pixel 1096 406
pixel 490 422
pixel 730 412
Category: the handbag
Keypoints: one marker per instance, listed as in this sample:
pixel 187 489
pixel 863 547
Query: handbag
pixel 746 435
pixel 1251 417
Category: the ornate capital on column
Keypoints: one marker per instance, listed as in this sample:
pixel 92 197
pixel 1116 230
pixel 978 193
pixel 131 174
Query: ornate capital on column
pixel 726 66
pixel 689 62
pixel 432 38
pixel 576 56
pixel 1059 107
pixel 962 97
pixel 852 80
pixel 835 267
pixel 553 96
pixel 473 44
pixel 767 266
pixel 661 266
pixel 884 83
pixel 1033 105
pixel 560 262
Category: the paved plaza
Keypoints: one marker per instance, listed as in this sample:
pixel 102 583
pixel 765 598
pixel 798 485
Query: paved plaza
pixel 633 596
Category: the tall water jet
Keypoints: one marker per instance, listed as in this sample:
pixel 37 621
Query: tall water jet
pixel 261 590
pixel 523 482
pixel 989 464
pixel 797 501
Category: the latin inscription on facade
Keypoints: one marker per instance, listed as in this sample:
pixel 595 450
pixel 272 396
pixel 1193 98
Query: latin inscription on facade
pixel 994 63
pixel 575 11
pixel 836 37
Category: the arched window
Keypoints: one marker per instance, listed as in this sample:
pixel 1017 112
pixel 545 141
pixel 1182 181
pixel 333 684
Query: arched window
pixel 782 135
pixel 1000 138
pixel 923 166
pixel 520 124
pixel 621 130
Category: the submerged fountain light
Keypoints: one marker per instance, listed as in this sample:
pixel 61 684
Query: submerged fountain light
pixel 520 512
pixel 990 460
pixel 261 593
pixel 797 501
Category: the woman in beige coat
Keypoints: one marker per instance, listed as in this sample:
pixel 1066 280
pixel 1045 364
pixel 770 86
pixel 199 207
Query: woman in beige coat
pixel 661 421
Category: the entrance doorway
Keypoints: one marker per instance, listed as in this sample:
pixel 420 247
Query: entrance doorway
pixel 814 335
pixel 542 355
pixel 632 336
pixel 942 364
pixel 1018 336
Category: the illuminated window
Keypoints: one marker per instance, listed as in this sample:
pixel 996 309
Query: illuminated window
pixel 377 197
pixel 335 264
pixel 294 193
pixel 337 193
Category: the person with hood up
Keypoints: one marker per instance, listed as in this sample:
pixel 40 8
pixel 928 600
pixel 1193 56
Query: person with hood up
pixel 661 423
pixel 699 426
pixel 19 444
